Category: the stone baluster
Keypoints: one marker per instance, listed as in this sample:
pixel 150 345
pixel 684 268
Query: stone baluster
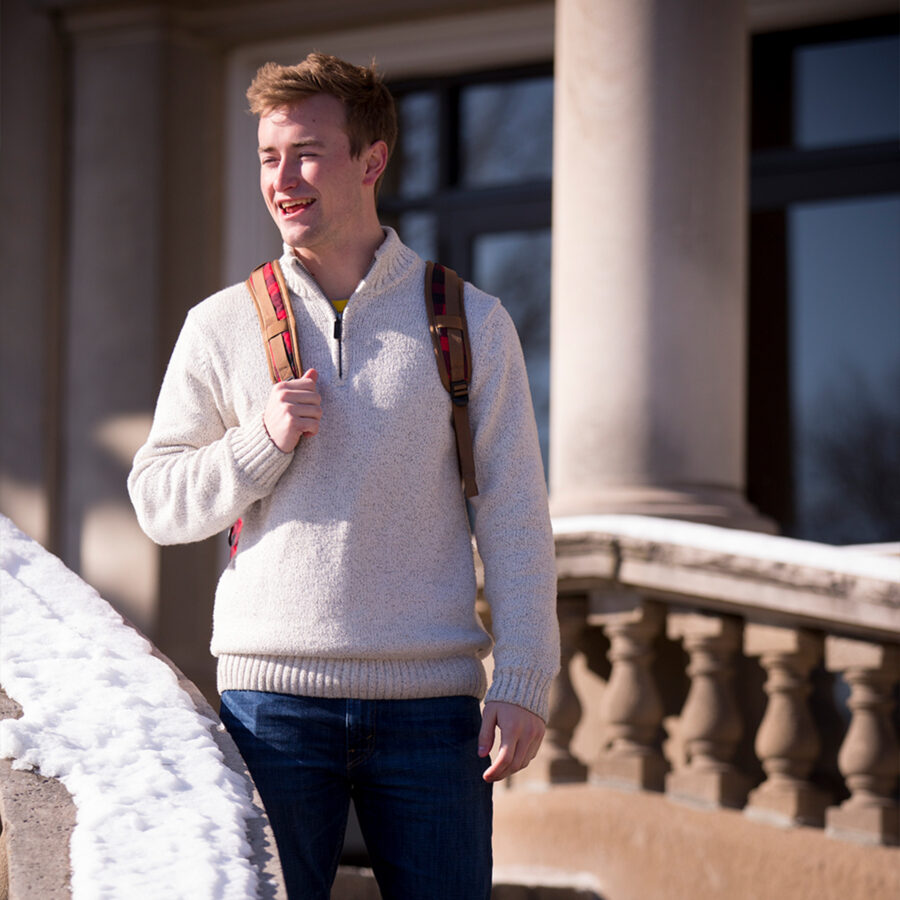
pixel 554 763
pixel 868 757
pixel 630 708
pixel 787 742
pixel 710 721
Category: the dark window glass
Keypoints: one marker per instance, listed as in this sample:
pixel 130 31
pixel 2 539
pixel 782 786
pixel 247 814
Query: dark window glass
pixel 469 186
pixel 823 454
pixel 515 266
pixel 847 92
pixel 844 327
pixel 415 161
pixel 506 132
pixel 418 230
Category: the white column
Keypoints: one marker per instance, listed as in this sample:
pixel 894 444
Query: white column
pixel 650 158
pixel 31 190
pixel 143 188
pixel 112 288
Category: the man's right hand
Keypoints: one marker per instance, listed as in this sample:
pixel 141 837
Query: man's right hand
pixel 294 409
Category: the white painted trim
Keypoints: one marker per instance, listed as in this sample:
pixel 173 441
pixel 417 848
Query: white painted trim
pixel 435 46
pixel 426 47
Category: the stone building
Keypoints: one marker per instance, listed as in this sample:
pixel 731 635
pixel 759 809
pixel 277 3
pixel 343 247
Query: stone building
pixel 691 209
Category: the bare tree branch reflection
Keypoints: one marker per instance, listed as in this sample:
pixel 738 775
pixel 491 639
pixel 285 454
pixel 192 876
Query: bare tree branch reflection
pixel 854 461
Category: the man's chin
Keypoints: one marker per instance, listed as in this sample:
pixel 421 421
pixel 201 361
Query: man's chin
pixel 296 237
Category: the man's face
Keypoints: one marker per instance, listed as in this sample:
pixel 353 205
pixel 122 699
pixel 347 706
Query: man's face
pixel 313 188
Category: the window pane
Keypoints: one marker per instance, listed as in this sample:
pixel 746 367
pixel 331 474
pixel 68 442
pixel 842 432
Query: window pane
pixel 506 132
pixel 413 170
pixel 847 92
pixel 845 369
pixel 418 230
pixel 515 266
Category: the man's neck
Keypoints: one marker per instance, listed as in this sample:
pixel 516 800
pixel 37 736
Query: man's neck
pixel 338 268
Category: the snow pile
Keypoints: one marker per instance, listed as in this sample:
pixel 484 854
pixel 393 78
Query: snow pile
pixel 159 814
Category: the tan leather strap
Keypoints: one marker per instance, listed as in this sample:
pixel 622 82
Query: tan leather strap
pixel 454 358
pixel 276 321
pixel 279 334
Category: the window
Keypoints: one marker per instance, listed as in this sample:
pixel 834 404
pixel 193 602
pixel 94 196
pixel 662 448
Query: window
pixel 824 329
pixel 469 186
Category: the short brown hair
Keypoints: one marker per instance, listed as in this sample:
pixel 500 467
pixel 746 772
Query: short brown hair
pixel 368 104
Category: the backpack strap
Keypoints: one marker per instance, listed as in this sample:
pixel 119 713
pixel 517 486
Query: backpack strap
pixel 276 321
pixel 279 334
pixel 444 302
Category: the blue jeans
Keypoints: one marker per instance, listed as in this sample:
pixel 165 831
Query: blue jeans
pixel 411 768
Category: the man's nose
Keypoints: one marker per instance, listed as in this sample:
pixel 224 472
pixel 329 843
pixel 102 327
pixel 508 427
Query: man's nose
pixel 287 176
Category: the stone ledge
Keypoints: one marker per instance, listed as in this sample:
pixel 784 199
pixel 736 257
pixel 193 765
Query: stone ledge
pixel 264 854
pixel 37 817
pixel 773 578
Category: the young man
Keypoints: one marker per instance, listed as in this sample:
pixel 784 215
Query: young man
pixel 349 651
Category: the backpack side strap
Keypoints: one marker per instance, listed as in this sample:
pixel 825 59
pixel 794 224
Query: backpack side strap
pixel 444 292
pixel 276 321
pixel 279 334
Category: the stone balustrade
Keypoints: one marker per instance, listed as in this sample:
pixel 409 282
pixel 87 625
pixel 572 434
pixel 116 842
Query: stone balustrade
pixel 743 670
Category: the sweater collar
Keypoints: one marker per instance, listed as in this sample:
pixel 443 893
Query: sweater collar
pixel 391 263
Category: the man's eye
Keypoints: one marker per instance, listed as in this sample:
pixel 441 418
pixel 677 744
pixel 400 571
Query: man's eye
pixel 269 161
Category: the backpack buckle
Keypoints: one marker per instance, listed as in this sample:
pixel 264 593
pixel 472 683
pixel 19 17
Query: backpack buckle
pixel 234 535
pixel 459 392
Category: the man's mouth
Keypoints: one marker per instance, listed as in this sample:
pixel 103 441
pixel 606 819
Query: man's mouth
pixel 291 206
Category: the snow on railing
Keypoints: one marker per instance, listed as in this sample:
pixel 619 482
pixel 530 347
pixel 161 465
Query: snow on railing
pixel 159 812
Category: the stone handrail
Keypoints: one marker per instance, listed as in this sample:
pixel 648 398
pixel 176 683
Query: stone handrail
pixel 62 642
pixel 37 817
pixel 720 636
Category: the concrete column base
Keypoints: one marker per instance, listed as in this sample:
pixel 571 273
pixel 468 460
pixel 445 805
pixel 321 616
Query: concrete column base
pixel 787 804
pixel 645 771
pixel 874 824
pixel 708 505
pixel 710 789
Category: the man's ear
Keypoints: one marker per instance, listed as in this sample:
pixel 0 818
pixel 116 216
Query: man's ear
pixel 376 161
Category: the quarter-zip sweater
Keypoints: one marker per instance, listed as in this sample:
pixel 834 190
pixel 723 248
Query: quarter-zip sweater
pixel 355 574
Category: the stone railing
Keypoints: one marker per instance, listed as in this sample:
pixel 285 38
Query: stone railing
pixel 37 818
pixel 729 669
pixel 62 641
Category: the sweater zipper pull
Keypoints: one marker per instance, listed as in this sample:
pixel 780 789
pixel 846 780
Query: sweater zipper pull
pixel 338 332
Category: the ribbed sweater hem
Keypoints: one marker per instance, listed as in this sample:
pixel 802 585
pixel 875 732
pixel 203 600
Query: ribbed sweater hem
pixel 360 679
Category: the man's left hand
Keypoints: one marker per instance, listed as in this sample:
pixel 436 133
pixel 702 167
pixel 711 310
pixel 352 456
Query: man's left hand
pixel 521 733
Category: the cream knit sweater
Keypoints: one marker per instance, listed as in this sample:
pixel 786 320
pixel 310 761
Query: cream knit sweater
pixel 355 574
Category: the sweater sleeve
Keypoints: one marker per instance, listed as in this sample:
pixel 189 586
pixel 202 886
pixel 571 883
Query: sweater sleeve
pixel 194 476
pixel 511 519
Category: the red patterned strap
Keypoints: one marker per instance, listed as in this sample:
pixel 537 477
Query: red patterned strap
pixel 276 321
pixel 444 294
pixel 279 334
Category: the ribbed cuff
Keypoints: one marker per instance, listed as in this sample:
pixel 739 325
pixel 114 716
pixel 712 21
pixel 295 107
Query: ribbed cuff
pixel 527 688
pixel 257 455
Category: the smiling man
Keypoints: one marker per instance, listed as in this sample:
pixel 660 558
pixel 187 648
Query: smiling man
pixel 350 657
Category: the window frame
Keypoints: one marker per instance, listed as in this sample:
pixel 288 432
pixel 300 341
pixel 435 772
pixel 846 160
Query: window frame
pixel 462 212
pixel 782 175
